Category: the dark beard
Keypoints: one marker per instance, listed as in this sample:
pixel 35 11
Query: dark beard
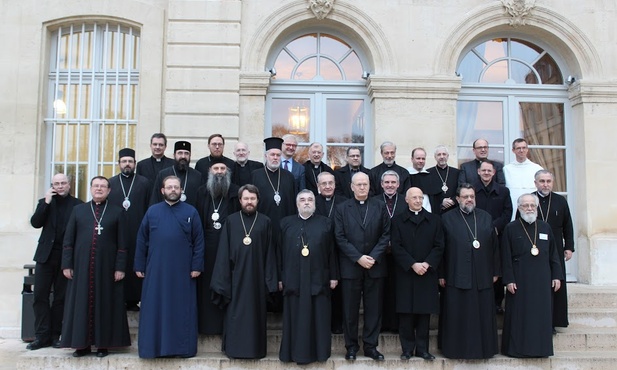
pixel 218 184
pixel 182 164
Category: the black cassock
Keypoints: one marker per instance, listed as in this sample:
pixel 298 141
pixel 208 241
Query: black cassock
pixel 210 316
pixel 311 173
pixel 94 312
pixel 377 171
pixel 138 192
pixel 190 180
pixel 554 210
pixel 527 324
pixel 267 181
pixel 241 174
pixel 468 327
pixel 306 288
pixel 435 190
pixel 242 278
pixel 150 167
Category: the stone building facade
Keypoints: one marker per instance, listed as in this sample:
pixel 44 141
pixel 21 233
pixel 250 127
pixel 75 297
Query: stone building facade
pixel 81 79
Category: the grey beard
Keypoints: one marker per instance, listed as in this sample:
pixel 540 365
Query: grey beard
pixel 530 218
pixel 218 185
pixel 468 209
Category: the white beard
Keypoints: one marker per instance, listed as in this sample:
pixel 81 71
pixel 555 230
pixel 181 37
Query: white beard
pixel 530 218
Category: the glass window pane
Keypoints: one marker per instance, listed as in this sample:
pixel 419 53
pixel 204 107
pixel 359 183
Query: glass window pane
pixel 352 67
pixel 480 119
pixel 291 116
pixel 524 50
pixel 542 123
pixel 337 155
pixel 522 74
pixel 301 155
pixel 71 142
pixel 345 120
pixel 307 70
pixel 553 160
pixel 117 104
pixel 497 73
pixel 332 46
pixel 549 70
pixel 303 46
pixel 328 70
pixel 284 65
pixel 470 68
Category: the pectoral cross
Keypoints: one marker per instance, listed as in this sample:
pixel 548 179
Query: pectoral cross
pixel 98 228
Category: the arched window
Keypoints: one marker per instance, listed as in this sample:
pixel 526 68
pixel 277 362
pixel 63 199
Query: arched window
pixel 318 94
pixel 514 88
pixel 92 99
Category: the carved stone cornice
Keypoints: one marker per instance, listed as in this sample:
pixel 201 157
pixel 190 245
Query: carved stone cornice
pixel 518 10
pixel 587 92
pixel 254 84
pixel 433 87
pixel 321 8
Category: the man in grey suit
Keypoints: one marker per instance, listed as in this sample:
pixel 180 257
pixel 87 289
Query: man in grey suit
pixel 362 231
pixel 290 144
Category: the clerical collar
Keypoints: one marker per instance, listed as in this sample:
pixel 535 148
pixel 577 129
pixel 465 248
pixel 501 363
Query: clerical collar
pixel 390 196
pixel 328 199
pixel 99 203
pixel 360 201
pixel 415 212
pixel 126 176
pixel 157 159
pixel 542 195
pixel 354 169
pixel 304 218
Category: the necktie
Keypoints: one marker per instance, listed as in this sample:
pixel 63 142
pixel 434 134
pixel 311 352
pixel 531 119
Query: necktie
pixel 286 165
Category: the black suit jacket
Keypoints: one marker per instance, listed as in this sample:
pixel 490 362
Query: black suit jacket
pixel 469 172
pixel 354 239
pixel 342 177
pixel 495 199
pixel 45 216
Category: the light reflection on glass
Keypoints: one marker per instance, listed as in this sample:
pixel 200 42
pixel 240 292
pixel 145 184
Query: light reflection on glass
pixel 345 120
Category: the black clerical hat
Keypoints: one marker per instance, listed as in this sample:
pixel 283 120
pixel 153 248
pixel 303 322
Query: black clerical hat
pixel 273 143
pixel 215 160
pixel 182 145
pixel 126 152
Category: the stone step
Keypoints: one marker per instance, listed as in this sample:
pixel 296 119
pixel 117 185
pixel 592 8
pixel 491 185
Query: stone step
pixel 593 317
pixel 567 339
pixel 587 296
pixel 61 359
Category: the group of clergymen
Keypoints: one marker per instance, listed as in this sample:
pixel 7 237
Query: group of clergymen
pixel 211 250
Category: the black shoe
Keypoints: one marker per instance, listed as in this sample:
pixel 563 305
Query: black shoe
pixel 406 356
pixel 38 344
pixel 101 352
pixel 351 354
pixel 337 330
pixel 425 355
pixel 81 352
pixel 374 354
pixel 56 343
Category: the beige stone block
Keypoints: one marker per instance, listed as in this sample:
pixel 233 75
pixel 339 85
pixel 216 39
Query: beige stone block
pixel 211 56
pixel 205 10
pixel 203 33
pixel 199 102
pixel 187 126
pixel 202 79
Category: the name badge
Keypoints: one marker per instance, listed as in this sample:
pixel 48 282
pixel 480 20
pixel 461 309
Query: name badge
pixel 543 236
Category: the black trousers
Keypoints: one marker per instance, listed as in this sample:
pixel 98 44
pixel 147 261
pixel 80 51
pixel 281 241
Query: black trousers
pixel 413 332
pixel 48 317
pixel 499 292
pixel 370 290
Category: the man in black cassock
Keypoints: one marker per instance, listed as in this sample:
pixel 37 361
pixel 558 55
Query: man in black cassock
pixel 216 145
pixel 52 214
pixel 131 192
pixel 150 167
pixel 191 179
pixel 314 166
pixel 216 200
pixel 277 189
pixel 495 199
pixel 309 272
pixel 244 273
pixel 243 166
pixel 443 183
pixel 417 246
pixel 169 257
pixel 531 272
pixel 418 176
pixel 553 208
pixel 394 203
pixel 344 174
pixel 471 264
pixel 94 261
pixel 362 232
pixel 325 204
pixel 388 153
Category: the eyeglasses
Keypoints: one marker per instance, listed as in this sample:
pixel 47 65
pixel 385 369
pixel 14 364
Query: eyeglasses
pixel 291 145
pixel 527 205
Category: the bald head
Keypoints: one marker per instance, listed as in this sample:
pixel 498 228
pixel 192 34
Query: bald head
pixel 414 198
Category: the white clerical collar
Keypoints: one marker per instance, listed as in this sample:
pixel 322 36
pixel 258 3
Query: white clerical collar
pixel 415 212
pixel 304 218
pixel 542 195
